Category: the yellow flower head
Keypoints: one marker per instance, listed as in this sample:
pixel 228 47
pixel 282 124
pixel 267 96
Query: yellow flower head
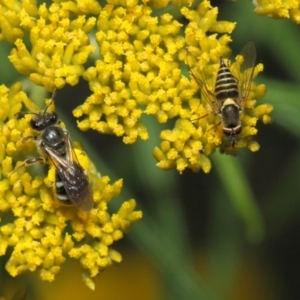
pixel 60 43
pixel 34 223
pixel 139 67
pixel 198 131
pixel 279 9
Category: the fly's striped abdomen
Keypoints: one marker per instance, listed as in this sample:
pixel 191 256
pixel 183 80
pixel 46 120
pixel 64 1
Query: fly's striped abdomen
pixel 60 190
pixel 226 83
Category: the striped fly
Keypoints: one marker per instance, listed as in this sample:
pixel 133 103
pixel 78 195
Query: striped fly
pixel 230 94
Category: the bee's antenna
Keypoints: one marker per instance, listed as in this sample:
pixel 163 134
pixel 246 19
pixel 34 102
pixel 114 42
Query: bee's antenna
pixel 52 100
pixel 53 95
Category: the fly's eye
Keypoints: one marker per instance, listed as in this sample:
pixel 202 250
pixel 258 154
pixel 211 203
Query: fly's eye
pixel 227 132
pixel 238 129
pixel 232 131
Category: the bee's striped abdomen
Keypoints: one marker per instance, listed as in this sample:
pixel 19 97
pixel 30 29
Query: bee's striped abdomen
pixel 61 191
pixel 226 83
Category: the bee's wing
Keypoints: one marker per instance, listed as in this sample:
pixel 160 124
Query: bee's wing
pixel 246 71
pixel 73 177
pixel 201 81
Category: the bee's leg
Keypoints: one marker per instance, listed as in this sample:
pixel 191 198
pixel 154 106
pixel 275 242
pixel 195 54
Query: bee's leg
pixel 23 113
pixel 29 137
pixel 28 162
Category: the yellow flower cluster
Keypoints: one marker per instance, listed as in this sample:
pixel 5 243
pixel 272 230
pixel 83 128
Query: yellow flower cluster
pixel 139 68
pixel 60 45
pixel 34 223
pixel 279 9
pixel 198 132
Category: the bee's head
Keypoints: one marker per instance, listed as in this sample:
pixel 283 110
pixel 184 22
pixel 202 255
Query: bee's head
pixel 42 120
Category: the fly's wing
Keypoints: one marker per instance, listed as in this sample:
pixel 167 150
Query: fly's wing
pixel 246 72
pixel 73 177
pixel 20 294
pixel 200 79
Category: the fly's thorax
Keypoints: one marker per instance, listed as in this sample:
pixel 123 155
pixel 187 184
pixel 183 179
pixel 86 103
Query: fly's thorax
pixel 230 114
pixel 226 84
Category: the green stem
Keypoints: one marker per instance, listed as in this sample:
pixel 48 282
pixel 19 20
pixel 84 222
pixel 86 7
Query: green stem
pixel 240 194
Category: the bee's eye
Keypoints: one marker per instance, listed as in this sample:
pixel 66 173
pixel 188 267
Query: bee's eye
pixel 35 124
pixel 53 118
pixel 42 121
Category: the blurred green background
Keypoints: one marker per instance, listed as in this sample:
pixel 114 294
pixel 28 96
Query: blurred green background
pixel 231 234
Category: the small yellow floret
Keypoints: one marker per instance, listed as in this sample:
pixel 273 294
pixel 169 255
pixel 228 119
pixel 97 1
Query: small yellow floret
pixel 279 9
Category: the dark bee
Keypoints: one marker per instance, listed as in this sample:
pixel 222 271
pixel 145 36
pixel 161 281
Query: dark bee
pixel 230 94
pixel 53 142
